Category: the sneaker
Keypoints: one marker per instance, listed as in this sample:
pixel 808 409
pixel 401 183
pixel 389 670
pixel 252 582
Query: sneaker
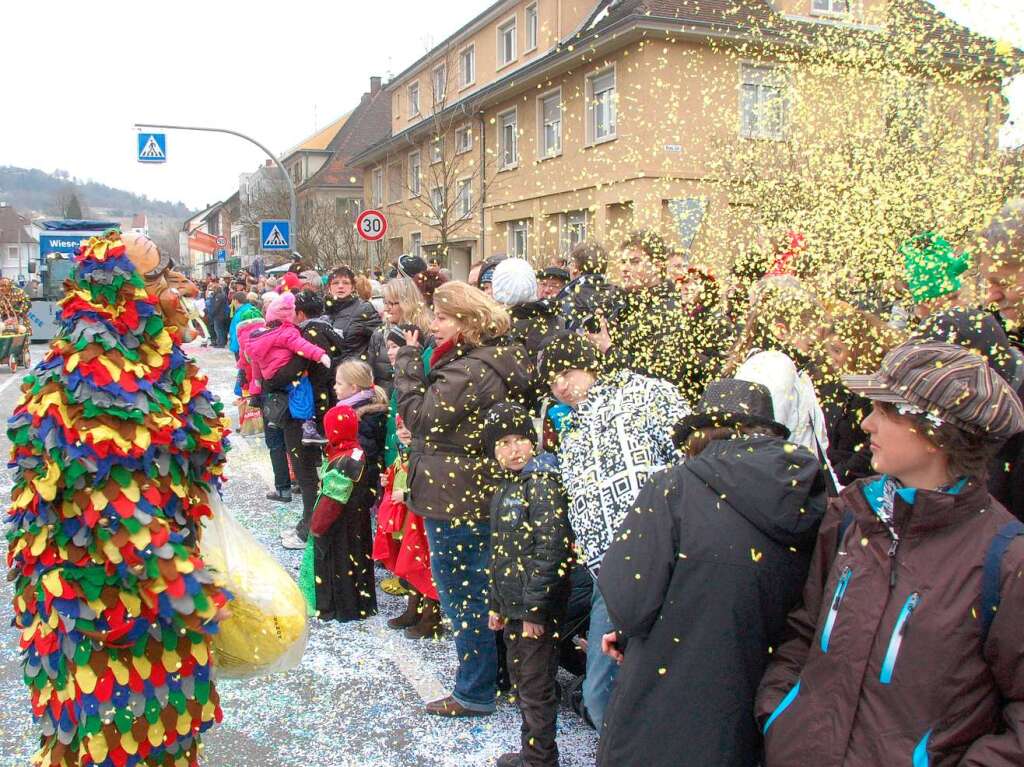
pixel 291 540
pixel 281 496
pixel 310 436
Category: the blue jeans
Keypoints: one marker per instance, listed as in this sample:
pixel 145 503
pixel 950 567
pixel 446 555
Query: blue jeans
pixel 460 561
pixel 601 670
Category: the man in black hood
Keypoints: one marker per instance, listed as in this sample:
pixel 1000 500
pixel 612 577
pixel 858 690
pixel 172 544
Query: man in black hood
pixel 699 580
pixel 353 318
pixel 588 296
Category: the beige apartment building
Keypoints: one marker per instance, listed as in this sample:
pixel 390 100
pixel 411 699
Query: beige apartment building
pixel 543 122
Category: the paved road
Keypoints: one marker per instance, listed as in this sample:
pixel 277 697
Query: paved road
pixel 356 698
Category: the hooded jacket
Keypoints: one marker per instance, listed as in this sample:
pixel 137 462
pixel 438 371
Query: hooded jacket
pixel 243 313
pixel 272 347
pixel 586 296
pixel 530 544
pixel 355 320
pixel 317 331
pixel 886 664
pixel 617 438
pixel 449 475
pixel 699 580
pixel 533 323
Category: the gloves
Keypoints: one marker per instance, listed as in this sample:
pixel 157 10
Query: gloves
pixel 326 361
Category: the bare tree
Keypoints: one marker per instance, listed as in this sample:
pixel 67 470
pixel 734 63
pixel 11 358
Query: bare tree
pixel 448 192
pixel 327 234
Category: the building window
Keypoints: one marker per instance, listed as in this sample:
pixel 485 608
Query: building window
pixel 465 197
pixel 687 216
pixel 467 66
pixel 416 244
pixel 436 204
pixel 507 43
pixel 905 109
pixel 436 149
pixel 395 183
pixel 440 81
pixel 762 102
pixel 601 106
pixel 377 192
pixel 550 128
pixel 12 253
pixel 573 229
pixel 518 239
pixel 414 173
pixel 414 99
pixel 346 207
pixel 531 27
pixel 508 138
pixel 830 6
pixel 464 139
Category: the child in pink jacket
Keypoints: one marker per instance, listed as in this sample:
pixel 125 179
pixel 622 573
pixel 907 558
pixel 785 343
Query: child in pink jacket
pixel 271 348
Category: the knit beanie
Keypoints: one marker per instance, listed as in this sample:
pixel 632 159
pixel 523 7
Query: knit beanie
pixel 514 282
pixel 932 267
pixel 504 419
pixel 282 308
pixel 567 350
pixel 396 334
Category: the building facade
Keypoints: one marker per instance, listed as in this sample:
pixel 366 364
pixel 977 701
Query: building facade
pixel 544 122
pixel 19 248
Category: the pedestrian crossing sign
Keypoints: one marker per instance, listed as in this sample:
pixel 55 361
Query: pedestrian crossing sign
pixel 275 234
pixel 152 147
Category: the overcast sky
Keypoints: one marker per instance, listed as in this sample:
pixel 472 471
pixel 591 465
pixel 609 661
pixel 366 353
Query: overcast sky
pixel 79 75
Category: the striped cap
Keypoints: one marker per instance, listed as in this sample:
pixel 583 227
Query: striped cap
pixel 948 382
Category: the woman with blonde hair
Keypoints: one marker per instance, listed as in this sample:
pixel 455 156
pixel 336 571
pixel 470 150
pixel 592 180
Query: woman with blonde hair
pixel 450 477
pixel 403 305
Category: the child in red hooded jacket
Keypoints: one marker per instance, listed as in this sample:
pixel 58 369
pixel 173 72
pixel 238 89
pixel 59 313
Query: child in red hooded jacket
pixel 343 562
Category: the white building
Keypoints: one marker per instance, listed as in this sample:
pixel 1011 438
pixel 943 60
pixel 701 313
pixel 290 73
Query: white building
pixel 19 247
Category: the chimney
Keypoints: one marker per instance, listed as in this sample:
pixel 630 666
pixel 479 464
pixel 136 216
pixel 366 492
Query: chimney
pixel 374 85
pixel 268 163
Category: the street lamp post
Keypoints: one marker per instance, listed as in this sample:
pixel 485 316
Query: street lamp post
pixel 294 220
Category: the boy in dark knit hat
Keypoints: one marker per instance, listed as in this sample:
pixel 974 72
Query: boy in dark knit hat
pixel 529 575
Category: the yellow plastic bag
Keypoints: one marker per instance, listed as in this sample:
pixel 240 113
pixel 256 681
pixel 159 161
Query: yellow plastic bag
pixel 267 630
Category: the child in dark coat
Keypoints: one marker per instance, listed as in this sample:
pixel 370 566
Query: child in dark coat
pixel 343 565
pixel 530 545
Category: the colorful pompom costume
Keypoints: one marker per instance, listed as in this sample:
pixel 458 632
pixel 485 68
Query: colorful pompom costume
pixel 117 446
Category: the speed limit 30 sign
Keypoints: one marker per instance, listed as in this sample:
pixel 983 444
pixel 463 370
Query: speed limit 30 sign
pixel 371 225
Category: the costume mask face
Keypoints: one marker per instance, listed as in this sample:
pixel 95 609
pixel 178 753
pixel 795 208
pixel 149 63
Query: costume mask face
pixel 172 289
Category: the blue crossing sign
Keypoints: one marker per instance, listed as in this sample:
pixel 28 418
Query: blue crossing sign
pixel 275 234
pixel 152 147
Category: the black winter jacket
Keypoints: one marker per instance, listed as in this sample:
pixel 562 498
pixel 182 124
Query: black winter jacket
pixel 655 336
pixel 699 580
pixel 530 545
pixel 355 320
pixel 533 323
pixel 377 359
pixel 849 449
pixel 586 296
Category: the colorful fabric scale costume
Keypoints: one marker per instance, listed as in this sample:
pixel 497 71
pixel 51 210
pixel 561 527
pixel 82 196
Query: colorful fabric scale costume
pixel 117 448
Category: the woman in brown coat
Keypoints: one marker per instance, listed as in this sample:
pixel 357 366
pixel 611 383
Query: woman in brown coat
pixel 450 478
pixel 907 649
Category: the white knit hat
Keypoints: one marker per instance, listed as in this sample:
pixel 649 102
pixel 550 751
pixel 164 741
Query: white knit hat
pixel 514 282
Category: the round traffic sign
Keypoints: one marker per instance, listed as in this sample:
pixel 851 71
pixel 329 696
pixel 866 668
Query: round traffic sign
pixel 221 242
pixel 371 225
